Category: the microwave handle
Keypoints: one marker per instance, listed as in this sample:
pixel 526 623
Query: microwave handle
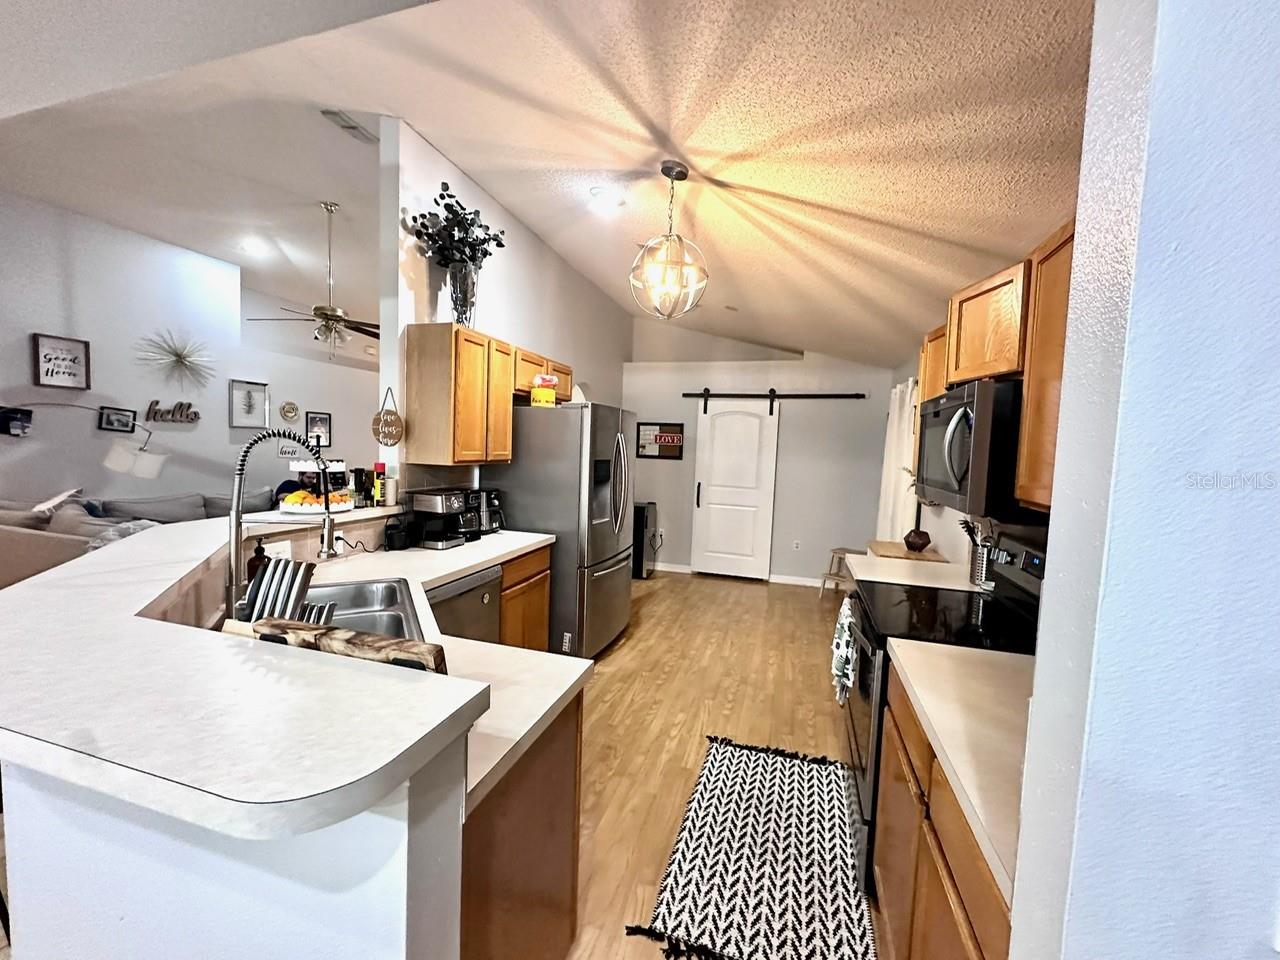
pixel 947 439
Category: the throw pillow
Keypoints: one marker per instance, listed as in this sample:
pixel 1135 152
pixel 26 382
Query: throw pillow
pixel 74 520
pixel 254 502
pixel 175 509
pixel 119 531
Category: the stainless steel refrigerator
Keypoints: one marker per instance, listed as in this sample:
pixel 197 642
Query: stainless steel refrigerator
pixel 570 474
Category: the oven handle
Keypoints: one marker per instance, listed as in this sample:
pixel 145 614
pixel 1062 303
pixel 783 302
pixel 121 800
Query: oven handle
pixel 947 439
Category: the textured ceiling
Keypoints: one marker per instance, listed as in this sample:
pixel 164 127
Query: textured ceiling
pixel 853 163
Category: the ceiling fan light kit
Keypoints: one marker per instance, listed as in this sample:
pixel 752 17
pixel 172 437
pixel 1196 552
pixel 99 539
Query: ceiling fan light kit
pixel 333 326
pixel 669 274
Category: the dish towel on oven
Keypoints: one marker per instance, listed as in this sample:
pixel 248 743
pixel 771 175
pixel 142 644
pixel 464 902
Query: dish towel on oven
pixel 843 653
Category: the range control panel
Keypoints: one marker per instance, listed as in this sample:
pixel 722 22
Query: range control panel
pixel 1018 562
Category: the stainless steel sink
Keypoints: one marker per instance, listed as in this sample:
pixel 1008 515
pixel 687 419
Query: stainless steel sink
pixel 373 606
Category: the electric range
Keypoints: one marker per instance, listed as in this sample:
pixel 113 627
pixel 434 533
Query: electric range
pixel 1001 619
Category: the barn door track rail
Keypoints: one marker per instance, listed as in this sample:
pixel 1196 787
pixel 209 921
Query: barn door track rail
pixel 773 396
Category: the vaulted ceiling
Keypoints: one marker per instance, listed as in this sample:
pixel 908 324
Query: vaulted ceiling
pixel 852 163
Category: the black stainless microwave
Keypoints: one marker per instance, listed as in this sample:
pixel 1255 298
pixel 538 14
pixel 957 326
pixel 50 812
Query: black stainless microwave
pixel 969 449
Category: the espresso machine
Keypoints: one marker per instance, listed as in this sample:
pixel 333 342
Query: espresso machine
pixel 446 517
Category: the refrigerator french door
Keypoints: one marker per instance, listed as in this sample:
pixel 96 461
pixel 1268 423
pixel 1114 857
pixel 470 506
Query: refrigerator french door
pixel 571 475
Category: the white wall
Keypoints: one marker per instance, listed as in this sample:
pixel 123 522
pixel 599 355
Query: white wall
pixel 1112 170
pixel 829 452
pixel 1176 846
pixel 527 294
pixel 655 341
pixel 70 275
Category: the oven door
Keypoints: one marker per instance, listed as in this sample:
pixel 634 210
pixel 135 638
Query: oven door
pixel 864 711
pixel 946 445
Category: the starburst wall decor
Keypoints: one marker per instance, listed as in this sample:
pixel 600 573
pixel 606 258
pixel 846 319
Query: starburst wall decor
pixel 182 359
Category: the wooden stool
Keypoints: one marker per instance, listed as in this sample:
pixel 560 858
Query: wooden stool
pixel 837 575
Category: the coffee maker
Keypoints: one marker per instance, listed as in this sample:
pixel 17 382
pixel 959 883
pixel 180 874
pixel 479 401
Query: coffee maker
pixel 446 517
pixel 491 520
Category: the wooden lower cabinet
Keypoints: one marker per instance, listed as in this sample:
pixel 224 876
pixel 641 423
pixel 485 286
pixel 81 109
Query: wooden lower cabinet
pixel 526 601
pixel 940 929
pixel 900 813
pixel 526 613
pixel 520 852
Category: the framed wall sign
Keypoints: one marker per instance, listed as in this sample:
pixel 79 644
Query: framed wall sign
pixel 117 419
pixel 660 441
pixel 248 404
pixel 320 428
pixel 60 362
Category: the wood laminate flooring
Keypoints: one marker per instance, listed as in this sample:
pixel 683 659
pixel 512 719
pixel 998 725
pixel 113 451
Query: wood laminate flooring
pixel 703 656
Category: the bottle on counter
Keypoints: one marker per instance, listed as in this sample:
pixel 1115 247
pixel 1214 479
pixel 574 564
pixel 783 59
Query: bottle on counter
pixel 379 483
pixel 256 562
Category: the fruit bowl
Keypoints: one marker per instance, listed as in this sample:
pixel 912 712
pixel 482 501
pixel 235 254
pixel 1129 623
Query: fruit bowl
pixel 335 506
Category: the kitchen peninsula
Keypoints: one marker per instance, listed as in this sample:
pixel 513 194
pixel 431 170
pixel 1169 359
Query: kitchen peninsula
pixel 203 795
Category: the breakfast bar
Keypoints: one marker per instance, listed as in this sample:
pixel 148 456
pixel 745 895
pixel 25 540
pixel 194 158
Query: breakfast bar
pixel 203 795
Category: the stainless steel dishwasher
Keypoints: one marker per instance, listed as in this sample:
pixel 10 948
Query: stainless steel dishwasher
pixel 470 607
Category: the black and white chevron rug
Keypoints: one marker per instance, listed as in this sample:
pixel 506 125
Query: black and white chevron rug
pixel 763 864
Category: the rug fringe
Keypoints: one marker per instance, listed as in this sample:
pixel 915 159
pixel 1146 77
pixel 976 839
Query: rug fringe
pixel 777 752
pixel 673 948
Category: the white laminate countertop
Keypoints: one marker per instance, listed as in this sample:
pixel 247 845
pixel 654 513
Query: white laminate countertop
pixel 239 736
pixel 973 706
pixel 527 688
pixel 920 573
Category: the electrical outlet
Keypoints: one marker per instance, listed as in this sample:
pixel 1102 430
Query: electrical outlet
pixel 795 544
pixel 661 533
pixel 279 548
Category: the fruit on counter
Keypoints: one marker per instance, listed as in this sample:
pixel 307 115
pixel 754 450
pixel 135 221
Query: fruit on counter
pixel 305 498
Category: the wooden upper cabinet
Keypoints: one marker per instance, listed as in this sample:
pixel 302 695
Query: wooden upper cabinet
pixel 933 364
pixel 454 413
pixel 900 813
pixel 986 326
pixel 501 383
pixel 471 396
pixel 528 366
pixel 1042 384
pixel 564 389
pixel 940 929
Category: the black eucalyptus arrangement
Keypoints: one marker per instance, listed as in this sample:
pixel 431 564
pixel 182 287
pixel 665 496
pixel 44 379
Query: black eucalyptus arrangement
pixel 454 234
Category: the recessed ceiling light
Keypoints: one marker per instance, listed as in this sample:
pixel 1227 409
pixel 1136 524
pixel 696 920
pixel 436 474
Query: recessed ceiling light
pixel 254 246
pixel 606 200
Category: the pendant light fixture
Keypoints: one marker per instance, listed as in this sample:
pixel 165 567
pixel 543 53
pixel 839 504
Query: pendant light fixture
pixel 669 274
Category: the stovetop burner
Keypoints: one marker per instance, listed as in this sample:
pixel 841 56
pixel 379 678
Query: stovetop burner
pixel 956 617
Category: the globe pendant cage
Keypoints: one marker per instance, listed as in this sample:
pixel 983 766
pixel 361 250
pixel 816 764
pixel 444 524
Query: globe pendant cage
pixel 669 274
pixel 668 277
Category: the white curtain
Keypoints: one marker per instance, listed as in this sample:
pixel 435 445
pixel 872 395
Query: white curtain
pixel 897 498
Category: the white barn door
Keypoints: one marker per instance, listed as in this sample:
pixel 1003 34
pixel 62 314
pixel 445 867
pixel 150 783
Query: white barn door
pixel 735 462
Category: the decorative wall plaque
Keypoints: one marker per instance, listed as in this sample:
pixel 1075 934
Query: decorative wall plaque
pixel 60 362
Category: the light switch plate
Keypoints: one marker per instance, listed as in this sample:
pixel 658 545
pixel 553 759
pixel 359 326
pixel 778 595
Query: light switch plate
pixel 282 549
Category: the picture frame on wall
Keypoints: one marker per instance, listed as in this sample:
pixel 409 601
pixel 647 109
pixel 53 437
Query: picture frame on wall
pixel 61 362
pixel 320 425
pixel 248 404
pixel 117 419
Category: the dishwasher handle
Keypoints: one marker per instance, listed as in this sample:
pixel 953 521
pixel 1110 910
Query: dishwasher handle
pixel 482 578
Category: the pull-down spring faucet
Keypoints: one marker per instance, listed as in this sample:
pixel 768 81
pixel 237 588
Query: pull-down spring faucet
pixel 235 561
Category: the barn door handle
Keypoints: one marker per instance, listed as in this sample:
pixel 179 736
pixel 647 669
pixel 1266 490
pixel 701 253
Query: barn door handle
pixel 697 497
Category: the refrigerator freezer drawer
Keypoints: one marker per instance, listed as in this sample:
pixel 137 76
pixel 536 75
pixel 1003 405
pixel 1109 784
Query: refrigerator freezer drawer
pixel 605 592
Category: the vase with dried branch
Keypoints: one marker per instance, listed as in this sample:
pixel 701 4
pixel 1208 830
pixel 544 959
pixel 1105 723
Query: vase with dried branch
pixel 454 237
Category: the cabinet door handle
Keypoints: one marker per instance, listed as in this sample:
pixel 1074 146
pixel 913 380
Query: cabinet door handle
pixel 697 496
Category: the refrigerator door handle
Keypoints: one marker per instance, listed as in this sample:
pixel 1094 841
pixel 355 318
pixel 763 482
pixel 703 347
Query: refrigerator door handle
pixel 626 480
pixel 609 570
pixel 617 483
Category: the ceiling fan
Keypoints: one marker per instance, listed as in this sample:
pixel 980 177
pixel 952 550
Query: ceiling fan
pixel 333 326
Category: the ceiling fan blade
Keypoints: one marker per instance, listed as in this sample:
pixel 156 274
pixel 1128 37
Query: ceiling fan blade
pixel 366 329
pixel 276 319
pixel 301 313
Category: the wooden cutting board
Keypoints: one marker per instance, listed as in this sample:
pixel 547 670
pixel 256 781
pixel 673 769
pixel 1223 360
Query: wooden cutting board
pixel 418 654
pixel 898 551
